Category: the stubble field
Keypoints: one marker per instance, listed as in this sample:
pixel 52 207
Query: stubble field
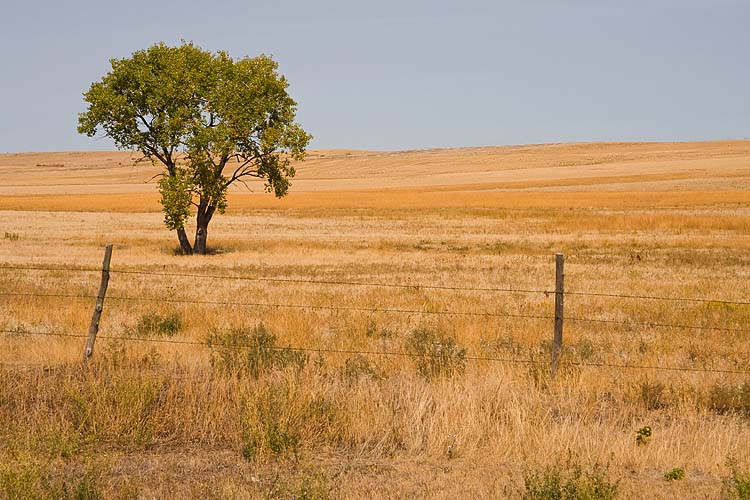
pixel 410 288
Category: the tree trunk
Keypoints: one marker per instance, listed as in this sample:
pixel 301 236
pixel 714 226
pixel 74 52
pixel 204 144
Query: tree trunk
pixel 203 217
pixel 184 243
pixel 201 233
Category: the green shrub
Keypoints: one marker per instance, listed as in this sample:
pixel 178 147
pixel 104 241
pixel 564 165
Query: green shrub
pixel 643 435
pixel 546 485
pixel 274 436
pixel 676 474
pixel 569 483
pixel 158 325
pixel 252 352
pixel 737 486
pixel 435 354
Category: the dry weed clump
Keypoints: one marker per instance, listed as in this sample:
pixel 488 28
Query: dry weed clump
pixel 253 351
pixel 435 354
pixel 155 324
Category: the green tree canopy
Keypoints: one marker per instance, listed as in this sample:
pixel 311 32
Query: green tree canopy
pixel 208 119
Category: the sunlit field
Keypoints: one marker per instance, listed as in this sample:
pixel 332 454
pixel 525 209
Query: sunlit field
pixel 385 330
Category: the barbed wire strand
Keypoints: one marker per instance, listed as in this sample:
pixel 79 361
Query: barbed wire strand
pixel 434 287
pixel 331 308
pixel 630 324
pixel 415 286
pixel 385 353
pixel 57 295
pixel 656 325
pixel 244 345
pixel 20 331
pixel 422 311
pixel 44 268
pixel 656 297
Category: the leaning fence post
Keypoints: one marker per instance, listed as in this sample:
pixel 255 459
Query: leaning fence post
pixel 94 327
pixel 559 292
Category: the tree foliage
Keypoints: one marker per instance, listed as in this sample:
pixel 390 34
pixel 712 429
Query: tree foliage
pixel 208 119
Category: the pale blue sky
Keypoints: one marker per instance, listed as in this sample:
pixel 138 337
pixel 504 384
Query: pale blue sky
pixel 394 75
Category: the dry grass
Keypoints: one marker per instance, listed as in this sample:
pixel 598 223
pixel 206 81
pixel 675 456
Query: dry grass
pixel 161 419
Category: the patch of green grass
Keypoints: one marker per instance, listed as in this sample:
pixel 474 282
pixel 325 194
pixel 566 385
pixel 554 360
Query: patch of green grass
pixel 158 325
pixel 569 483
pixel 676 474
pixel 643 435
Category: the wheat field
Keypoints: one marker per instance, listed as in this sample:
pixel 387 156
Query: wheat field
pixel 190 392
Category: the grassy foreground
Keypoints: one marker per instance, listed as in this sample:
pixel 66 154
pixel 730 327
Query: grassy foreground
pixel 222 410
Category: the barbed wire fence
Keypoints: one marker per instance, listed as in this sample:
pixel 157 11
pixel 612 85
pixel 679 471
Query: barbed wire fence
pixel 558 317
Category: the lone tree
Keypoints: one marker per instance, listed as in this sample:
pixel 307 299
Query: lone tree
pixel 209 120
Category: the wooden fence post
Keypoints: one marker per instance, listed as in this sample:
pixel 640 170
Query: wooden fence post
pixel 559 292
pixel 94 327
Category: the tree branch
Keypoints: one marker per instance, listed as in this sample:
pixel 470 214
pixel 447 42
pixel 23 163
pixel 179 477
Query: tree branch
pixel 222 163
pixel 242 181
pixel 240 171
pixel 152 150
pixel 160 174
pixel 169 161
pixel 147 124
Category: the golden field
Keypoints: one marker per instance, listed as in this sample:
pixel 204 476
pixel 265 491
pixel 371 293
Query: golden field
pixel 159 413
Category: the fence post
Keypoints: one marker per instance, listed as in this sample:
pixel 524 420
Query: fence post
pixel 559 292
pixel 94 327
